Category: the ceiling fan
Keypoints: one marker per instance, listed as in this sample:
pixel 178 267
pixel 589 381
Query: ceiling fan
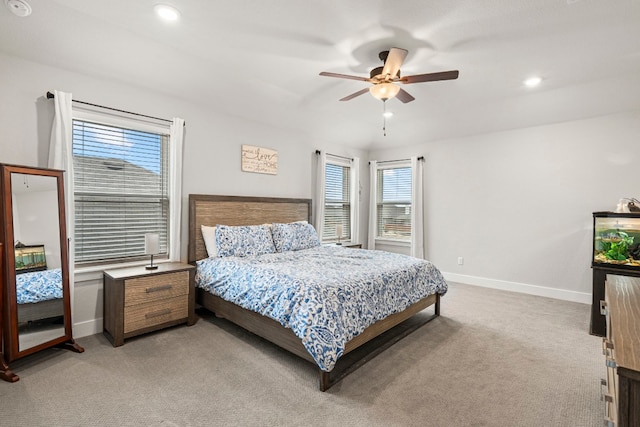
pixel 384 78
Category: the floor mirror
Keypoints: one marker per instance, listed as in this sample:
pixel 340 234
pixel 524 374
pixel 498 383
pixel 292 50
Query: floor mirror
pixel 35 300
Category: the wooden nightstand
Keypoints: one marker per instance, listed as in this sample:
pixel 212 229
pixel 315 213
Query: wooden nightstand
pixel 137 301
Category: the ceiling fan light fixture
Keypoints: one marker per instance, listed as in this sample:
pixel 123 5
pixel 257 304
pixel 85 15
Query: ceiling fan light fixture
pixel 384 91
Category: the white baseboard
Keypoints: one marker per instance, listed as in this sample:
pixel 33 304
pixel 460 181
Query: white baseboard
pixel 90 327
pixel 542 291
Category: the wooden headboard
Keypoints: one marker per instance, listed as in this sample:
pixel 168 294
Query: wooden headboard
pixel 238 210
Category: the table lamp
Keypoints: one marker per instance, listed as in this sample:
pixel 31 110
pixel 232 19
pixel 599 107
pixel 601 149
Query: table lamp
pixel 151 247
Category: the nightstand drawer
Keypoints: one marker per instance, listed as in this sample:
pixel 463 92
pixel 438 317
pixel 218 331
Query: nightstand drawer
pixel 155 313
pixel 153 288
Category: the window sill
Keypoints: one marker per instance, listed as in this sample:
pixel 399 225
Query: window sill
pixel 393 242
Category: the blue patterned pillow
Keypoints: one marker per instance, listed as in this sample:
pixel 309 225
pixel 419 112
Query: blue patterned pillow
pixel 294 236
pixel 244 240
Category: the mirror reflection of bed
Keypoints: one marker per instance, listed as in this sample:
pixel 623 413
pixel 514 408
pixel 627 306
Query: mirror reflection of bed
pixel 40 306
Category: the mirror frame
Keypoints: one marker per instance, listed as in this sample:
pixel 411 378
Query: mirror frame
pixel 10 309
pixel 5 372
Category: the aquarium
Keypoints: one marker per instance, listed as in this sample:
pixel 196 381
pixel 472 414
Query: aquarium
pixel 616 240
pixel 30 258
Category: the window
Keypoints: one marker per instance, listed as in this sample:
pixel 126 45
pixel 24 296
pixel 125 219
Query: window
pixel 393 202
pixel 337 202
pixel 121 190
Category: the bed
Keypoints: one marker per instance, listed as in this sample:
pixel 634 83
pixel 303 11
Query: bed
pixel 283 330
pixel 39 295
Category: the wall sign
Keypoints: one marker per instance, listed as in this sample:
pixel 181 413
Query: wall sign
pixel 259 160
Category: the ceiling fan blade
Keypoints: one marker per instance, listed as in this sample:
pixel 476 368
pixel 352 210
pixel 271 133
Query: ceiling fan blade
pixel 358 93
pixel 344 76
pixel 394 61
pixel 430 77
pixel 404 96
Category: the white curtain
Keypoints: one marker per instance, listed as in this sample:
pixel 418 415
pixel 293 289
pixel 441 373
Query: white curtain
pixel 320 192
pixel 373 189
pixel 355 200
pixel 61 157
pixel 176 141
pixel 417 210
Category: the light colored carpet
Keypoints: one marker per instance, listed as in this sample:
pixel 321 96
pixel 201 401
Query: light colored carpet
pixel 493 358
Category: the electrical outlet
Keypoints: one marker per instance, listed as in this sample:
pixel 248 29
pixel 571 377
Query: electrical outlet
pixel 460 260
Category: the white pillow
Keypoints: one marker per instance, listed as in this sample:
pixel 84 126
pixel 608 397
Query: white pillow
pixel 209 236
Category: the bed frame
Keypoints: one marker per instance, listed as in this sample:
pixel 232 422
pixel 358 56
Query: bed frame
pixel 235 210
pixel 40 310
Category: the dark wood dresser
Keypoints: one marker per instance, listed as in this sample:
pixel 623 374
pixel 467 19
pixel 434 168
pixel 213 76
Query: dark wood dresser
pixel 621 347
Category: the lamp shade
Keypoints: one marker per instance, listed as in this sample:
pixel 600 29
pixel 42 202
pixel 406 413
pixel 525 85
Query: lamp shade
pixel 151 243
pixel 384 91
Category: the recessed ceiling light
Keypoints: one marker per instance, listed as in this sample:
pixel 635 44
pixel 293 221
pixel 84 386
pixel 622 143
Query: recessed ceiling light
pixel 387 114
pixel 18 7
pixel 166 12
pixel 533 81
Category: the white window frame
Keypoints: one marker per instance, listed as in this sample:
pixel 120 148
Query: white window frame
pixel 387 240
pixel 139 123
pixel 353 197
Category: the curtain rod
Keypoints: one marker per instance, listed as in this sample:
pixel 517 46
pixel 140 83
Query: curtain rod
pixel 51 96
pixel 335 155
pixel 399 160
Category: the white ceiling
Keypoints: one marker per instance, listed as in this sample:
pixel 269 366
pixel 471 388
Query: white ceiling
pixel 260 59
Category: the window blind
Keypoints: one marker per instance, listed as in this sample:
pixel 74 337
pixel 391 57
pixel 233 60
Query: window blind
pixel 121 191
pixel 394 203
pixel 337 202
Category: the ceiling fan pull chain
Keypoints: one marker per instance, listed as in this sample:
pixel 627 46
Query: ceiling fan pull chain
pixel 384 117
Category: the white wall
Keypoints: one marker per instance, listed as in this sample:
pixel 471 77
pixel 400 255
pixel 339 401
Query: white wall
pixel 211 155
pixel 517 205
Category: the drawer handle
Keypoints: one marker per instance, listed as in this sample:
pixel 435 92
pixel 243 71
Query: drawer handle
pixel 603 308
pixel 159 288
pixel 158 313
pixel 608 421
pixel 607 346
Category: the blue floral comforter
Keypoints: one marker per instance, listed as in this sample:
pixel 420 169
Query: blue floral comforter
pixel 39 286
pixel 326 295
